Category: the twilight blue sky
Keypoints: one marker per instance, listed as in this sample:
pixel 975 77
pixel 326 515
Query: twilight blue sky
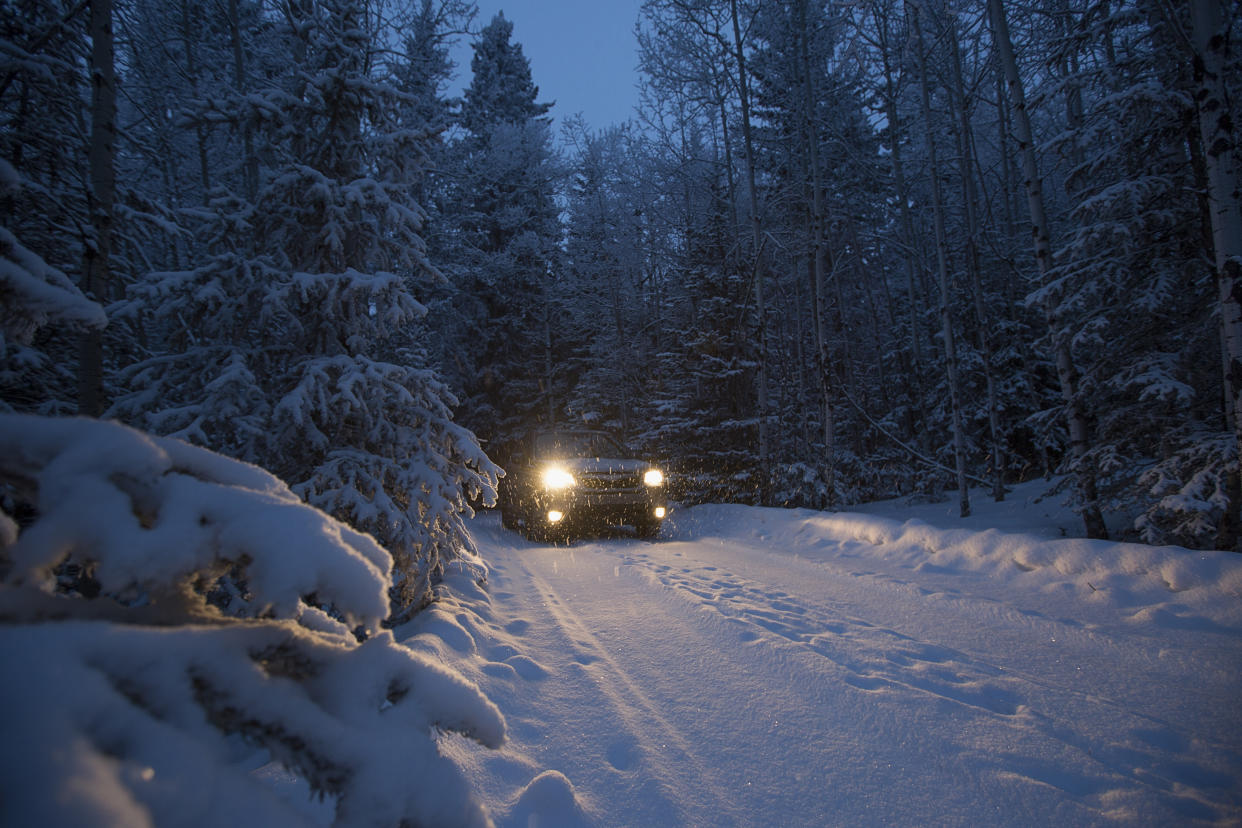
pixel 582 54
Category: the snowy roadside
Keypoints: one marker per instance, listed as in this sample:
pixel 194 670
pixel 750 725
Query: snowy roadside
pixel 1015 543
pixel 795 667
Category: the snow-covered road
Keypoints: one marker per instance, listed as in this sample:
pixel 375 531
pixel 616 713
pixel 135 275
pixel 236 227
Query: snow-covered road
pixel 765 667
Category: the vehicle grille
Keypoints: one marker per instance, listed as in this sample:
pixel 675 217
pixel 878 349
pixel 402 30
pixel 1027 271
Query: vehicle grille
pixel 606 481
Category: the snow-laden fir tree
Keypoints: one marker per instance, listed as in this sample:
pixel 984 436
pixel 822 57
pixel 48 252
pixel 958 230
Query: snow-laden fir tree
pixel 291 343
pixel 612 291
pixel 700 411
pixel 505 255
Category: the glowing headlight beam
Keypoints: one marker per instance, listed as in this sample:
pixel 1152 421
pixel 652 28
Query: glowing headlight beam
pixel 654 477
pixel 557 478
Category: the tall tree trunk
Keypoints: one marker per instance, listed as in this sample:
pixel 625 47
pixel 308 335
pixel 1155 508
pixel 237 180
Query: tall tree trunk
pixel 100 198
pixel 818 256
pixel 250 164
pixel 1076 419
pixel 752 192
pixel 942 267
pixel 189 17
pixel 909 256
pixel 1007 177
pixel 1218 129
pixel 983 322
pixel 907 221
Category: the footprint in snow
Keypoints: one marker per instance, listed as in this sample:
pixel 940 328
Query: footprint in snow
pixel 549 799
pixel 527 667
pixel 498 669
pixel 622 755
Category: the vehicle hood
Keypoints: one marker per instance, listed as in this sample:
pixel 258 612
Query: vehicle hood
pixel 603 465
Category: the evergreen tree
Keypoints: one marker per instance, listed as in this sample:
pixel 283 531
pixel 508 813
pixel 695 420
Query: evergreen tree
pixel 1128 276
pixel 34 296
pixel 291 345
pixel 606 288
pixel 505 261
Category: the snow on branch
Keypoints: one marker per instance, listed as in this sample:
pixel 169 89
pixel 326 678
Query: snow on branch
pixel 33 293
pixel 146 514
pixel 113 720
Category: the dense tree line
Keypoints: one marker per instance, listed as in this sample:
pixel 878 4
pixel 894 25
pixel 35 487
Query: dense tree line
pixel 907 247
pixel 842 251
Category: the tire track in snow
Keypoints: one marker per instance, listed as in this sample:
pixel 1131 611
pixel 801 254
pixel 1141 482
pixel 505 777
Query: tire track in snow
pixel 651 738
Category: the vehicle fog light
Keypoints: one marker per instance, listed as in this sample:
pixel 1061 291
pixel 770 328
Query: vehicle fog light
pixel 659 512
pixel 555 516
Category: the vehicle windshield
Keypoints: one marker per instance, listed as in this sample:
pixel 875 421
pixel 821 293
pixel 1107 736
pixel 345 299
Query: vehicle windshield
pixel 581 444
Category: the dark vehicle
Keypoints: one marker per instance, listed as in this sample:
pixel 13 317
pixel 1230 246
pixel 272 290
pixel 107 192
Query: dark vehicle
pixel 560 483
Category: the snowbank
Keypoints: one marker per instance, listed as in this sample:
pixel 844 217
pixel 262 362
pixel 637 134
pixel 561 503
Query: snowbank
pixel 1166 585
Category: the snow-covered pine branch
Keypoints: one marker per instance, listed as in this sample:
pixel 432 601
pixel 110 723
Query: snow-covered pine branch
pixel 127 703
pixel 33 295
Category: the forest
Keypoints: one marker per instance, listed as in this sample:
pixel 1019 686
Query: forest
pixel 843 251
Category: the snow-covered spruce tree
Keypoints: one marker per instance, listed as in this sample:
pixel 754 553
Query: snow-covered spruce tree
pixel 604 272
pixel 502 269
pixel 291 345
pixel 129 698
pixel 704 412
pixel 820 161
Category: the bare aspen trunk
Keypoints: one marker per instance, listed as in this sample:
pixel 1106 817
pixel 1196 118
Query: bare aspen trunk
pixel 1010 185
pixel 727 147
pixel 983 322
pixel 910 255
pixel 907 222
pixel 1218 131
pixel 188 41
pixel 1076 420
pixel 753 194
pixel 250 165
pixel 942 267
pixel 100 199
pixel 819 276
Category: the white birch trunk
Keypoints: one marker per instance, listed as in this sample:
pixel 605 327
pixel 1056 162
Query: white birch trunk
pixel 1219 134
pixel 1076 420
pixel 942 269
pixel 756 227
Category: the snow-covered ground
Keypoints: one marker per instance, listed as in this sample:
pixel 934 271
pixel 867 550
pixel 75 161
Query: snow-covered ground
pixel 773 667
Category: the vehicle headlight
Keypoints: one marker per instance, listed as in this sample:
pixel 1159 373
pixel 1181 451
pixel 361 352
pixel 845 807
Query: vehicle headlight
pixel 557 478
pixel 654 477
